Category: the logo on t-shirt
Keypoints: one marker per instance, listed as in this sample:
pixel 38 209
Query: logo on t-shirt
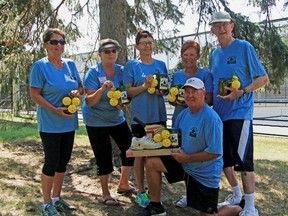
pixel 231 60
pixel 193 132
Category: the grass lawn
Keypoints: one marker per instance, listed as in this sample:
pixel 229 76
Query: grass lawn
pixel 21 159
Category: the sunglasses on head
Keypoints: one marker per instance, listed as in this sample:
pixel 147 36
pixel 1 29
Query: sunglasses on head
pixel 55 42
pixel 109 51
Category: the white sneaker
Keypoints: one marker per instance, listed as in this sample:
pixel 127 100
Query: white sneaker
pixel 249 213
pixel 231 199
pixel 182 203
pixel 145 142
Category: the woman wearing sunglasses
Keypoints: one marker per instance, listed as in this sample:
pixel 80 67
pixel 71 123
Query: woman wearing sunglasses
pixel 103 120
pixel 52 78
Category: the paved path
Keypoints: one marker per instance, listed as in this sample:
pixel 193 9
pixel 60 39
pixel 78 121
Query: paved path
pixel 270 119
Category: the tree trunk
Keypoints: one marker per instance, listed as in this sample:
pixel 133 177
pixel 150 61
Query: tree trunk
pixel 15 97
pixel 113 24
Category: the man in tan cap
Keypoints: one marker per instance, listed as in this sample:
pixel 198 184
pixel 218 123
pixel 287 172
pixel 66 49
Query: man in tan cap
pixel 236 58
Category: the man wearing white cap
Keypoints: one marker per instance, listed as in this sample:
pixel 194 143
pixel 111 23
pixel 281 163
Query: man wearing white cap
pixel 236 58
pixel 199 162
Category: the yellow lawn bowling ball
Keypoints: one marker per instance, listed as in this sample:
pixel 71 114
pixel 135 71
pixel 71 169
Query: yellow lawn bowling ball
pixel 76 101
pixel 72 108
pixel 151 90
pixel 174 91
pixel 113 102
pixel 154 83
pixel 166 143
pixel 157 138
pixel 110 94
pixel 171 98
pixel 235 84
pixel 165 134
pixel 117 94
pixel 66 101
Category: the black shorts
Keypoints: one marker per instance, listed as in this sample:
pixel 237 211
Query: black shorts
pixel 199 196
pixel 175 172
pixel 238 145
pixel 57 148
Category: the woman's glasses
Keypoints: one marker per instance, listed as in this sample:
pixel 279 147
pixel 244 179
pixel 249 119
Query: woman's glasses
pixel 109 51
pixel 55 42
pixel 144 43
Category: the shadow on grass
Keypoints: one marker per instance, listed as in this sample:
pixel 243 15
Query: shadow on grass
pixel 89 201
pixel 270 187
pixel 20 168
pixel 18 187
pixel 83 190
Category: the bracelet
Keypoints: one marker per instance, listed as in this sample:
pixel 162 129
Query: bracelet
pixel 244 91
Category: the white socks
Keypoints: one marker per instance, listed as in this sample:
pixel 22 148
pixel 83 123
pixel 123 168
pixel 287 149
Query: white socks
pixel 249 202
pixel 249 198
pixel 54 199
pixel 237 191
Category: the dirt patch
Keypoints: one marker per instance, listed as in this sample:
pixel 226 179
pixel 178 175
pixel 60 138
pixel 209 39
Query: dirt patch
pixel 20 172
pixel 20 193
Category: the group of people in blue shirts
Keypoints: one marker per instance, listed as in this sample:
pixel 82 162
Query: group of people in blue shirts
pixel 216 130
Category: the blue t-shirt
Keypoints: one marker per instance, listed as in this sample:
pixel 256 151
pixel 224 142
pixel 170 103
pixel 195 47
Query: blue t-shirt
pixel 102 114
pixel 202 131
pixel 149 108
pixel 54 84
pixel 179 79
pixel 240 59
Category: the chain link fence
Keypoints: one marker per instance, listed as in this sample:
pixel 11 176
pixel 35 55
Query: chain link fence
pixel 270 107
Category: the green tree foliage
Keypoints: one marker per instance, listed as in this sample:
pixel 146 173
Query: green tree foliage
pixel 22 25
pixel 24 21
pixel 267 40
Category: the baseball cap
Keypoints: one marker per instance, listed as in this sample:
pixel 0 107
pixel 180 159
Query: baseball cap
pixel 107 43
pixel 220 16
pixel 194 83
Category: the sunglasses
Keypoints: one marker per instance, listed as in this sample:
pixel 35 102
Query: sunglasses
pixel 55 42
pixel 109 51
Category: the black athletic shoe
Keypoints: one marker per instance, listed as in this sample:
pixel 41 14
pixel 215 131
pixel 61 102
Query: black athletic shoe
pixel 155 210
